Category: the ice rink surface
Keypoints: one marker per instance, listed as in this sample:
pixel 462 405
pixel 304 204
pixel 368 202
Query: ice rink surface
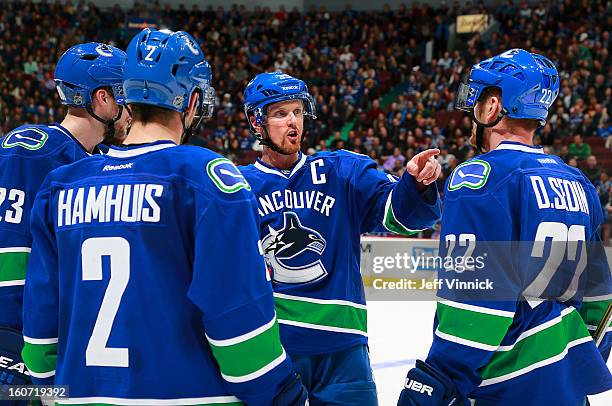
pixel 401 332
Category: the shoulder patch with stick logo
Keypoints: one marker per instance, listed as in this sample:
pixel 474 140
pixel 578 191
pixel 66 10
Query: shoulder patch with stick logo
pixel 473 175
pixel 226 176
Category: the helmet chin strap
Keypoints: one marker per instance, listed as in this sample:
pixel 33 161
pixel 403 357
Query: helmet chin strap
pixel 189 129
pixel 480 130
pixel 186 130
pixel 110 124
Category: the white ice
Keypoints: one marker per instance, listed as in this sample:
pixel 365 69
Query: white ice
pixel 401 332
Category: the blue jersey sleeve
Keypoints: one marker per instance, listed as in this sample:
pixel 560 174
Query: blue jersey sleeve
pixel 381 199
pixel 20 180
pixel 41 297
pixel 27 155
pixel 231 287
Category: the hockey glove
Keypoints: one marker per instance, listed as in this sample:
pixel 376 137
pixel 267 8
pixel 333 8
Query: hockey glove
pixel 12 370
pixel 426 386
pixel 292 394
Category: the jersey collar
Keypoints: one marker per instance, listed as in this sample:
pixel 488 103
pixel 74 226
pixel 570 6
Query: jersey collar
pixel 517 146
pixel 64 130
pixel 129 151
pixel 264 167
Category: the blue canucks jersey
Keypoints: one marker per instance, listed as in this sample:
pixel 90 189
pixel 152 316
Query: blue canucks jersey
pixel 27 155
pixel 311 218
pixel 146 283
pixel 514 328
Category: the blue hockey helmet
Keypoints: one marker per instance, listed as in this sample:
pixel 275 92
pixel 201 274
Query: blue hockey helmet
pixel 164 68
pixel 84 68
pixel 273 87
pixel 529 84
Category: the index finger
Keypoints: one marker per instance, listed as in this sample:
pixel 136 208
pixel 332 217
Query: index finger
pixel 425 155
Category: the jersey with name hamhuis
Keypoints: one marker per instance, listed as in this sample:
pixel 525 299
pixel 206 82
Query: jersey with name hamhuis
pixel 27 155
pixel 147 280
pixel 311 218
pixel 513 327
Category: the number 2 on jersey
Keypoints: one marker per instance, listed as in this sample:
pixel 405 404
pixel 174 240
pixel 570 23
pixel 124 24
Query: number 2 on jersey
pixel 92 251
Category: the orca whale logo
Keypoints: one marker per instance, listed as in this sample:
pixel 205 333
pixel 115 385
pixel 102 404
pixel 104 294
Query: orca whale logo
pixel 294 252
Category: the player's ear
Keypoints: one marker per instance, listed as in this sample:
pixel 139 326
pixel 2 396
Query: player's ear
pixel 192 109
pixel 101 97
pixel 495 107
pixel 491 107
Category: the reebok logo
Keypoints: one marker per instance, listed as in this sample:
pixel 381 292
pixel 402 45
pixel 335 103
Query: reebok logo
pixel 117 167
pixel 418 387
pixel 290 87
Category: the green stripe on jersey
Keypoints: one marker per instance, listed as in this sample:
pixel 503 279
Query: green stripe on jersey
pixel 248 356
pixel 13 266
pixel 592 312
pixel 39 358
pixel 392 224
pixel 484 328
pixel 323 316
pixel 540 346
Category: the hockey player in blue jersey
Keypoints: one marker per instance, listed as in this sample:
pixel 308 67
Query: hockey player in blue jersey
pixel 88 79
pixel 146 283
pixel 312 211
pixel 535 221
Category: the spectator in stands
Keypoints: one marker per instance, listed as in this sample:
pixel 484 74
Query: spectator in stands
pixel 573 162
pixel 461 150
pixel 394 162
pixel 604 187
pixel 592 170
pixel 336 142
pixel 579 149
